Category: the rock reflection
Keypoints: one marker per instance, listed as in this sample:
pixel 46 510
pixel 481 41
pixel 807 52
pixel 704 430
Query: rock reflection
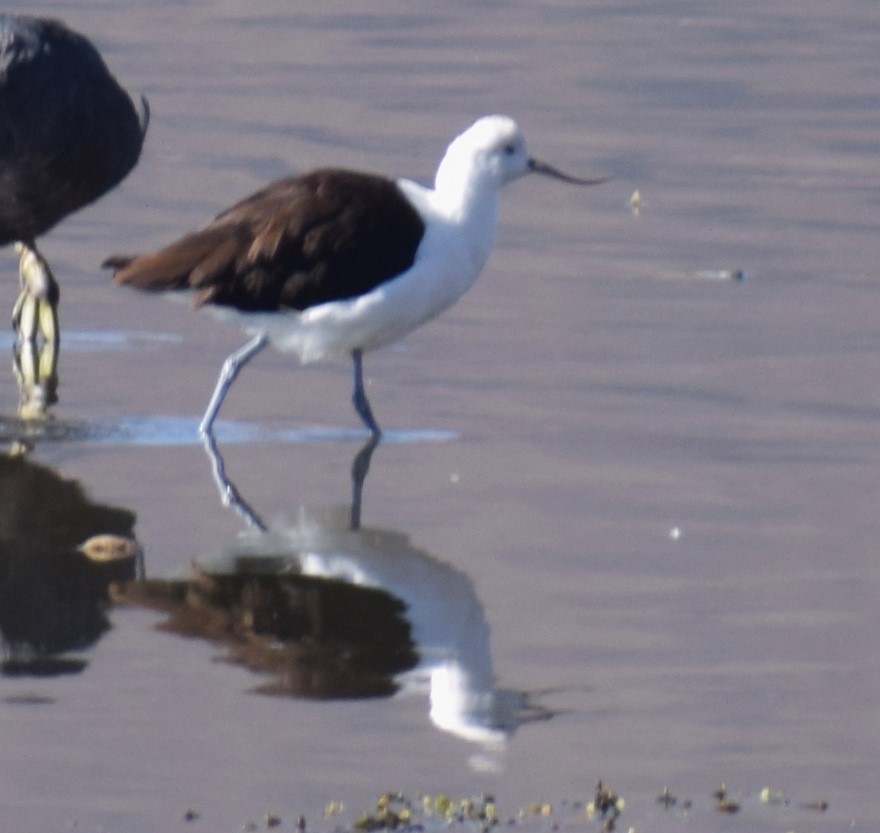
pixel 331 609
pixel 59 554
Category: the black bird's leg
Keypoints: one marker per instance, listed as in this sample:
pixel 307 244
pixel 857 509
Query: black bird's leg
pixel 35 319
pixel 36 309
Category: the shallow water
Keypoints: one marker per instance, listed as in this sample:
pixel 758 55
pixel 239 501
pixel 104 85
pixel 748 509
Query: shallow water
pixel 632 509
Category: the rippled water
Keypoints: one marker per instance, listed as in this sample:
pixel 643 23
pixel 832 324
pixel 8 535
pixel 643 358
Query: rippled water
pixel 626 525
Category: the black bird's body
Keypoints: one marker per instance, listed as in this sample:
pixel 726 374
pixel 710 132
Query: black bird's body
pixel 68 131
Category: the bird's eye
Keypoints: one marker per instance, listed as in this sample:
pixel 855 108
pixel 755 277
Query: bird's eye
pixel 510 149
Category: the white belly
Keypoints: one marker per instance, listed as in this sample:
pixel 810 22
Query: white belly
pixel 382 316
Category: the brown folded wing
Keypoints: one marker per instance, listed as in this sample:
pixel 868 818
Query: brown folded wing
pixel 326 236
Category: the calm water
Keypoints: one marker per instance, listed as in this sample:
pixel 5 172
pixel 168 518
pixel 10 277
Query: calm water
pixel 625 526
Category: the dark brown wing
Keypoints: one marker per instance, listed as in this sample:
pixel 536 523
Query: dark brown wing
pixel 326 236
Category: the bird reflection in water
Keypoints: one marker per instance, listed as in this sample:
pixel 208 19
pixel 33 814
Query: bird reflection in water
pixel 314 638
pixel 59 555
pixel 330 609
pixel 232 498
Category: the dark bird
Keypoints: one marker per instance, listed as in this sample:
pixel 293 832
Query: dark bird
pixel 335 263
pixel 68 134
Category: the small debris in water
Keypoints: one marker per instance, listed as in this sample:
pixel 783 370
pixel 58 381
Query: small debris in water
pixel 608 805
pixel 675 533
pixel 773 796
pixel 437 805
pixel 393 812
pixel 667 799
pixel 721 274
pixel 191 815
pixel 333 808
pixel 723 804
pixel 435 812
pixel 635 203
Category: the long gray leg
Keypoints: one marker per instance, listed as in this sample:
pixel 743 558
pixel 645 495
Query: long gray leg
pixel 359 396
pixel 228 372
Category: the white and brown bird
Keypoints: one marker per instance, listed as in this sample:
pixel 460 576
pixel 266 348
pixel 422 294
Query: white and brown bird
pixel 68 134
pixel 336 263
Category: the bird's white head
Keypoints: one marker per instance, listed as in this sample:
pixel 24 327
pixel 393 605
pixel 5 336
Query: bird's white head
pixel 493 148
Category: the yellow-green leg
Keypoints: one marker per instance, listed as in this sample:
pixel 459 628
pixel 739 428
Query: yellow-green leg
pixel 35 318
pixel 35 313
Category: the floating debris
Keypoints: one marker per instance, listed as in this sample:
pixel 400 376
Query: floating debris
pixel 773 796
pixel 723 804
pixel 608 805
pixel 635 203
pixel 720 274
pixel 435 812
pixel 396 812
pixel 393 812
pixel 191 815
pixel 438 805
pixel 667 799
pixel 333 808
pixel 273 820
pixel 539 808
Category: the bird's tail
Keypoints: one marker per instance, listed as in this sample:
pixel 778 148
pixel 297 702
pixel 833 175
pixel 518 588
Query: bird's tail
pixel 193 262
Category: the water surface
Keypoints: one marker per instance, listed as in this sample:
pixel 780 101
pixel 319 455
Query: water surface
pixel 631 511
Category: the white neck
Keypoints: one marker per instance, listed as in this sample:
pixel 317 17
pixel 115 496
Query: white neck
pixel 466 191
